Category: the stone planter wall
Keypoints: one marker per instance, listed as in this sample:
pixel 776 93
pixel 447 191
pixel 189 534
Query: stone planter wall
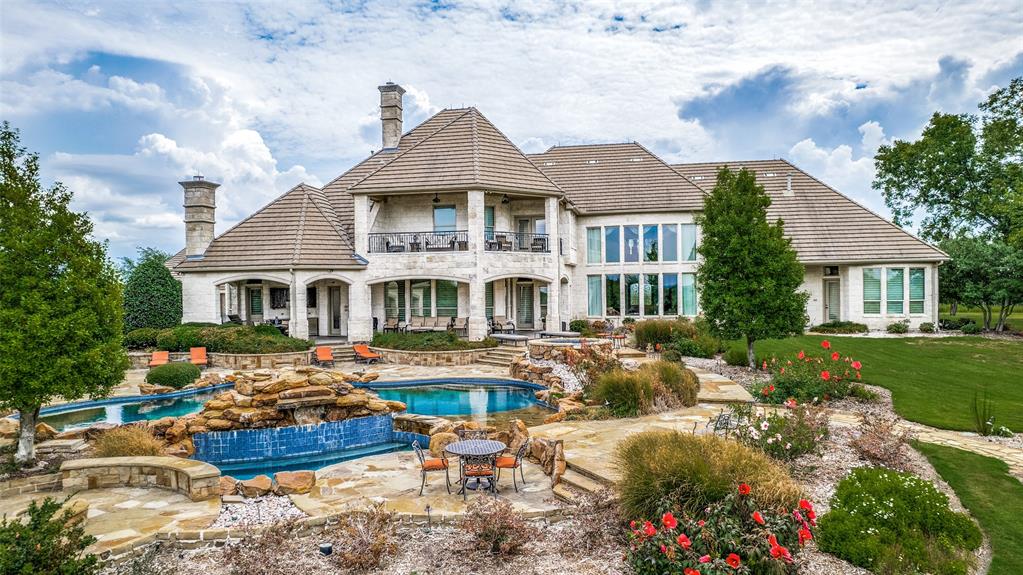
pixel 431 358
pixel 48 482
pixel 553 350
pixel 140 359
pixel 197 480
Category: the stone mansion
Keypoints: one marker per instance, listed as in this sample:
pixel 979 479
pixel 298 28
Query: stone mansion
pixel 451 220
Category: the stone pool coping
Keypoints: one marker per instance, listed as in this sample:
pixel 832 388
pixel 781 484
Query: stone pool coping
pixel 79 405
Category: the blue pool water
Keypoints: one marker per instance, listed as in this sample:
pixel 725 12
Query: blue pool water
pixel 458 399
pixel 125 411
pixel 250 469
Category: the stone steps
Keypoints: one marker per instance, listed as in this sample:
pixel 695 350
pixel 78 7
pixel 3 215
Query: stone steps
pixel 629 353
pixel 590 474
pixel 495 362
pixel 501 356
pixel 581 482
pixel 565 494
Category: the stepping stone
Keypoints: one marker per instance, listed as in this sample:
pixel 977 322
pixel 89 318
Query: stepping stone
pixel 61 446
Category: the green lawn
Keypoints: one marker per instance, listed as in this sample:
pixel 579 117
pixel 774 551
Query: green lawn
pixel 932 380
pixel 994 498
pixel 1015 319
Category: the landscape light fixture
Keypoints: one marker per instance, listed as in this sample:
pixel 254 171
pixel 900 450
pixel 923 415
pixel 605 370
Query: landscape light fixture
pixel 436 198
pixel 505 199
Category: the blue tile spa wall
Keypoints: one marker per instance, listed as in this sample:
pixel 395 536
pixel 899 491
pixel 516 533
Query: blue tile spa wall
pixel 278 442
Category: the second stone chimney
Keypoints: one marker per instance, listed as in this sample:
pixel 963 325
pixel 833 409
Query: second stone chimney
pixel 390 113
pixel 200 208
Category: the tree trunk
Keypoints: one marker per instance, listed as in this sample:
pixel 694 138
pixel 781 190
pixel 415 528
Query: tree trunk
pixel 987 315
pixel 26 435
pixel 954 309
pixel 749 353
pixel 1003 314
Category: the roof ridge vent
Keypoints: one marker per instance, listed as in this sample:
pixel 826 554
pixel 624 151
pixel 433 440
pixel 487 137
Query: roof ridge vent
pixel 592 161
pixel 788 184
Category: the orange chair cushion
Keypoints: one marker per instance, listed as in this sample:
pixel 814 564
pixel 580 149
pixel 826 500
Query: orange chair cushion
pixel 323 353
pixel 364 351
pixel 159 358
pixel 478 471
pixel 506 462
pixel 435 464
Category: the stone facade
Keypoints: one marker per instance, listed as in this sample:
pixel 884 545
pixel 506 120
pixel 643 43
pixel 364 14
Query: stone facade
pixel 195 479
pixel 140 359
pixel 431 358
pixel 32 484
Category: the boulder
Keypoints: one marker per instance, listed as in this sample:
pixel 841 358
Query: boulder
pixel 441 440
pixel 9 428
pixel 264 399
pixel 245 387
pixel 368 377
pixel 443 426
pixel 241 400
pixel 219 424
pixel 208 414
pixel 261 375
pixel 219 403
pixel 228 485
pixel 258 486
pixel 176 432
pixel 554 417
pixel 151 389
pixel 352 400
pixel 97 429
pixel 289 482
pixel 45 432
pixel 395 406
pixel 78 508
pixel 560 465
pixel 307 391
pixel 184 448
pixel 251 414
pixel 377 405
pixel 159 426
pixel 289 381
pixel 518 434
pixel 308 415
pixel 321 378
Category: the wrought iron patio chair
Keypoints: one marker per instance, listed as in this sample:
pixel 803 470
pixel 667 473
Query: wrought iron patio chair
pixel 428 464
pixel 467 434
pixel 479 468
pixel 513 462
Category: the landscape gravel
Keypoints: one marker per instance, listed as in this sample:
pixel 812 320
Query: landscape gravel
pixel 569 381
pixel 265 510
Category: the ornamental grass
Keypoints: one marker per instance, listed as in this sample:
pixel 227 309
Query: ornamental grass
pixel 128 441
pixel 664 470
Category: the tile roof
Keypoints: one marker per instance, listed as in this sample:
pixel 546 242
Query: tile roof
pixel 299 229
pixel 825 226
pixel 465 152
pixel 618 178
pixel 171 262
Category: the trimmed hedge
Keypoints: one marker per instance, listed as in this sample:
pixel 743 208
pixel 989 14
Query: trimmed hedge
pixel 428 341
pixel 142 338
pixel 152 297
pixel 840 327
pixel 176 375
pixel 229 339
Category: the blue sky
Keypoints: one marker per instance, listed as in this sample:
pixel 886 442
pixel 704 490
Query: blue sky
pixel 123 99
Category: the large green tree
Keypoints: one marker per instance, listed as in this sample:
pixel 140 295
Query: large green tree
pixel 965 173
pixel 985 273
pixel 60 297
pixel 152 297
pixel 749 279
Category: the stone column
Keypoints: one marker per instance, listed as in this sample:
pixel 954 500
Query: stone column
pixel 551 214
pixel 477 287
pixel 360 319
pixel 299 324
pixel 361 224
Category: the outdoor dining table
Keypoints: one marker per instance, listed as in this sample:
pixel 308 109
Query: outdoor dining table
pixel 475 447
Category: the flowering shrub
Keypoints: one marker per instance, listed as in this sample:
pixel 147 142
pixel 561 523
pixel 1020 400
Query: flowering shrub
pixel 892 522
pixel 810 379
pixel 732 536
pixel 783 435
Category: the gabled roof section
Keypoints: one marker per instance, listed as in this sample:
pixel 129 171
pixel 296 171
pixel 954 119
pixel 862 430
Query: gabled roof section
pixel 825 226
pixel 466 151
pixel 618 178
pixel 300 229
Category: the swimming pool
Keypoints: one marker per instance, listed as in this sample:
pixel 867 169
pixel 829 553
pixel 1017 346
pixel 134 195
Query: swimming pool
pixel 484 400
pixel 128 409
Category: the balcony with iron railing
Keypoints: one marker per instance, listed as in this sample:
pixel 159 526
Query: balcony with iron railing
pixel 404 242
pixel 496 241
pixel 457 241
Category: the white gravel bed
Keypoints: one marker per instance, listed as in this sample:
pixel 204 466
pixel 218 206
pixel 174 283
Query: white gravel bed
pixel 569 382
pixel 744 376
pixel 264 510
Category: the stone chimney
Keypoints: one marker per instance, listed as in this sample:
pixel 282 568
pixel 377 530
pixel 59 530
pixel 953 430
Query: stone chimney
pixel 200 205
pixel 390 113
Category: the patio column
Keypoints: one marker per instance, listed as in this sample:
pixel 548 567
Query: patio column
pixel 477 310
pixel 554 289
pixel 476 212
pixel 360 320
pixel 299 324
pixel 361 224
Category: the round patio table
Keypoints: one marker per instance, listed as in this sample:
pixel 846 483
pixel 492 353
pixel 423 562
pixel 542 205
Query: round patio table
pixel 475 447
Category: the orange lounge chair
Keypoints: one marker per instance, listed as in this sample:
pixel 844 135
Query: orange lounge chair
pixel 198 356
pixel 324 356
pixel 363 353
pixel 159 358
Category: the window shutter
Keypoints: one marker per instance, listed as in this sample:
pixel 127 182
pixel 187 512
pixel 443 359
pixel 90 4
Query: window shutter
pixel 447 298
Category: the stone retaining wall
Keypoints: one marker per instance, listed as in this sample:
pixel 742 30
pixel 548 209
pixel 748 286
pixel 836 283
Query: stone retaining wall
pixel 140 359
pixel 197 480
pixel 554 350
pixel 48 482
pixel 431 358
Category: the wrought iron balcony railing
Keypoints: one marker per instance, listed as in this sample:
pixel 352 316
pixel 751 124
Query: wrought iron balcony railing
pixel 399 242
pixel 496 241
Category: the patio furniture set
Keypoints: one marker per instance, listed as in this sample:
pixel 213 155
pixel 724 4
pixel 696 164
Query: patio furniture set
pixel 479 463
pixel 196 356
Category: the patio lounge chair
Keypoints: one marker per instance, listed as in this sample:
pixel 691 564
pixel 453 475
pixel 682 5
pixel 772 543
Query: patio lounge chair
pixel 159 358
pixel 460 326
pixel 363 353
pixel 391 324
pixel 500 323
pixel 442 323
pixel 324 355
pixel 416 324
pixel 234 318
pixel 197 356
pixel 428 464
pixel 479 468
pixel 513 462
